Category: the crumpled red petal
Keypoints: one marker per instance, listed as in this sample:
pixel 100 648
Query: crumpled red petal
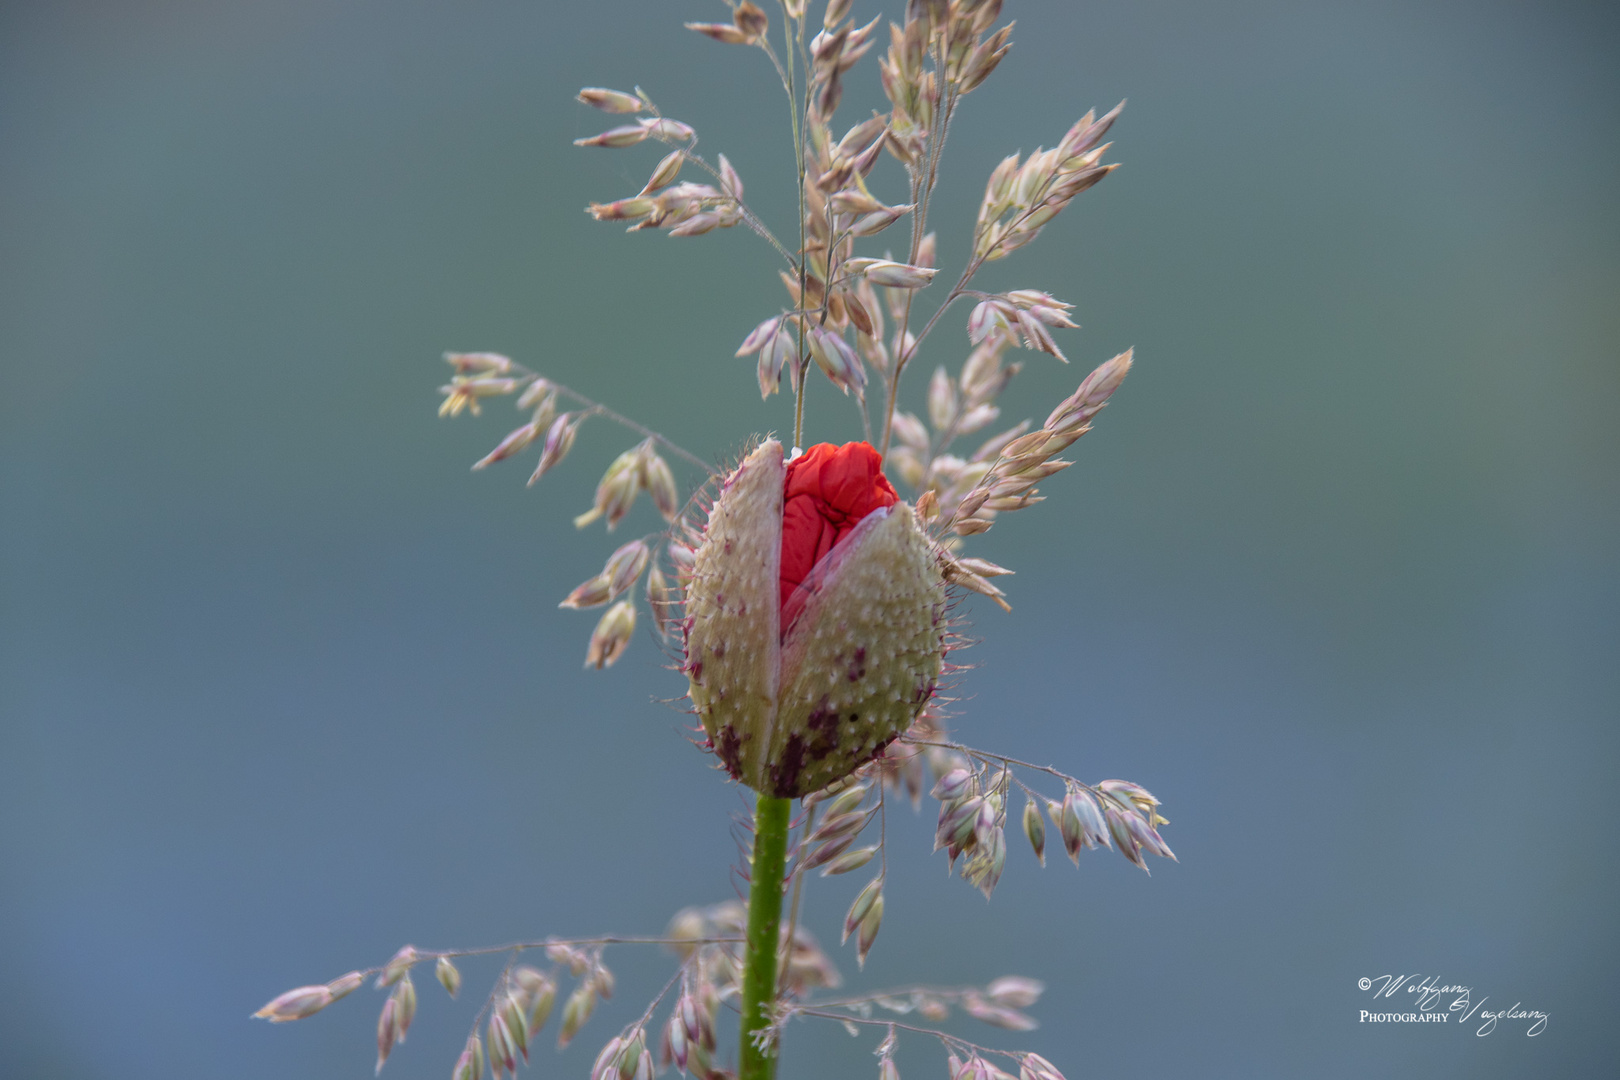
pixel 829 490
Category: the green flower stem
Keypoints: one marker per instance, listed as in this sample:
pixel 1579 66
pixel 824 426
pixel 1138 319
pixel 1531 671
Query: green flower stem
pixel 764 930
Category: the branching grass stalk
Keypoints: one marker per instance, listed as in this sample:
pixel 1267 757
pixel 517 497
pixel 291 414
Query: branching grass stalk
pixel 921 195
pixel 950 1042
pixel 1004 761
pixel 516 947
pixel 800 360
pixel 749 218
pixel 798 889
pixel 596 408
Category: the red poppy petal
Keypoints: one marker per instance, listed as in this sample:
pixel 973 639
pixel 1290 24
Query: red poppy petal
pixel 829 490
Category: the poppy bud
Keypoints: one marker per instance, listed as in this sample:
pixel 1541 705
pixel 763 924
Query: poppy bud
pixel 816 618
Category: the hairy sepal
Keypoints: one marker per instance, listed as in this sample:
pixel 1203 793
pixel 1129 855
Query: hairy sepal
pixel 733 654
pixel 864 656
pixel 790 714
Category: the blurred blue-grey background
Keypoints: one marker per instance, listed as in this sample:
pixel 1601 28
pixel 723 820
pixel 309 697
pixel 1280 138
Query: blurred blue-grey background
pixel 283 686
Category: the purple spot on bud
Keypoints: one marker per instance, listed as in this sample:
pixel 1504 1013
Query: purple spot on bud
pixel 785 772
pixel 730 751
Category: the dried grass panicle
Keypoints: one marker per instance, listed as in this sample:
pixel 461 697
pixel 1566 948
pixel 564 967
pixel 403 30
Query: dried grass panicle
pixel 973 793
pixel 856 294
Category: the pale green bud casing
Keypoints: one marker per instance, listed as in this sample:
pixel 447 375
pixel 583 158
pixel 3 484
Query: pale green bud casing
pixel 789 715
